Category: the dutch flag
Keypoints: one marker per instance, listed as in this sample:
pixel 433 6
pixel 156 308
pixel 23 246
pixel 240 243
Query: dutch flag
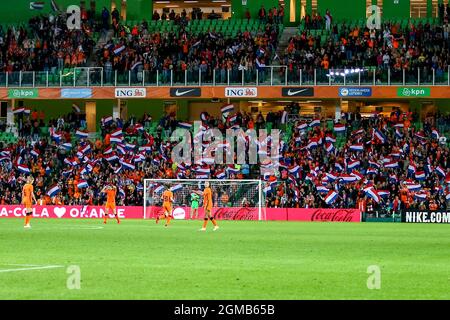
pixel 107 120
pixel 357 175
pixel 48 170
pixel 56 137
pixel 121 149
pixel 399 125
pixel 139 158
pixel 372 193
pixel 108 150
pixel 379 135
pixel 331 176
pixel 23 168
pixel 18 110
pixel 176 187
pixel 35 153
pixel 391 164
pixel 119 50
pixel 130 146
pixel 338 167
pixel 357 147
pixel 232 169
pixel 302 126
pixel 420 175
pixel 67 146
pixel 383 193
pixel 393 178
pixel 330 139
pixel 312 144
pixel 201 176
pixel 420 196
pixel 314 123
pixel 111 157
pixel 353 164
pixel 82 184
pixel 295 170
pixel 329 147
pixel 339 127
pixel 127 165
pixel 81 134
pixel 374 164
pixel 398 134
pixel 331 197
pixel 121 193
pixel 411 169
pixel 184 125
pixel 53 191
pixel 86 149
pixel 322 189
pixel 346 178
pixel 414 187
pixel 372 171
pixel 440 171
pixel 118 169
pixel 117 133
pixel 447 197
pixel 435 134
pixel 116 139
pixel 221 175
pixel 67 173
pixel 227 108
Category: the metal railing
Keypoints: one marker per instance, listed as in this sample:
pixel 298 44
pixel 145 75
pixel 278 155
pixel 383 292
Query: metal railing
pixel 242 76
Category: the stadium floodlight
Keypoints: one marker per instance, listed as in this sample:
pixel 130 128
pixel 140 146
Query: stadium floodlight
pixel 232 199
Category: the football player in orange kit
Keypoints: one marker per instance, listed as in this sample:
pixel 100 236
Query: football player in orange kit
pixel 207 206
pixel 27 200
pixel 111 192
pixel 167 198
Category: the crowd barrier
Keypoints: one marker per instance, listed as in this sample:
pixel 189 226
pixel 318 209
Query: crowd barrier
pixel 226 213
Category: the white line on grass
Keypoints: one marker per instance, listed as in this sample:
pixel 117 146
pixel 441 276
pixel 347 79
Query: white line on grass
pixel 30 268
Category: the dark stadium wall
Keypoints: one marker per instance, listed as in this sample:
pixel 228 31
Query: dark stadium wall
pixel 19 10
pixel 348 9
pixel 238 10
pixel 396 9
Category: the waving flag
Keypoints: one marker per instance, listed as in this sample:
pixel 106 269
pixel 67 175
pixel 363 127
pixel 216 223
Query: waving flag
pixel 383 193
pixel 420 175
pixel 82 184
pixel 447 197
pixel 53 191
pixel 314 123
pixel 107 120
pixel 227 108
pixel 23 168
pixel 67 173
pixel 221 175
pixel 302 126
pixel 176 187
pixel 393 178
pixel 116 139
pixel 331 176
pixel 414 187
pixel 81 134
pixel 371 171
pixel 398 134
pixel 184 125
pixel 48 170
pixel 312 144
pixel 338 167
pixel 117 133
pixel 322 189
pixel 127 165
pixel 339 127
pixel 372 193
pixel 399 125
pixel 67 146
pixel 391 164
pixel 379 135
pixel 329 147
pixel 295 170
pixel 18 110
pixel 111 157
pixel 130 146
pixel 346 178
pixel 36 5
pixel 331 197
pixel 353 164
pixel 440 171
pixel 330 139
pixel 108 150
pixel 357 147
pixel 56 137
pixel 357 175
pixel 35 153
pixel 119 50
pixel 411 169
pixel 420 196
pixel 435 134
pixel 374 164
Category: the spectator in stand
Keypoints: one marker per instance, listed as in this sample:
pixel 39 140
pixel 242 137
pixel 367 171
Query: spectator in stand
pixel 155 16
pixel 247 14
pixel 262 14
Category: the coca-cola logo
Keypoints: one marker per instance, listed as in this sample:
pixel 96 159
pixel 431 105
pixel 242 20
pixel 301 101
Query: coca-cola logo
pixel 343 215
pixel 236 213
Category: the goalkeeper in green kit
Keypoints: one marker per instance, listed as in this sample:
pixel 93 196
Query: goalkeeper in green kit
pixel 194 206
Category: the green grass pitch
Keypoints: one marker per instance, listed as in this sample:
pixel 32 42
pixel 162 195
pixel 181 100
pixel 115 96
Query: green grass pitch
pixel 242 260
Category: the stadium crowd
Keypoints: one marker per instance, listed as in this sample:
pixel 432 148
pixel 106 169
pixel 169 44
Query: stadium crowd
pixel 384 163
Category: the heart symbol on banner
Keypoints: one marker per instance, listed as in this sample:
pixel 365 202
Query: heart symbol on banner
pixel 59 212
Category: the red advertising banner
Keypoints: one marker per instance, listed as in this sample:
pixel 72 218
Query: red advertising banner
pixel 226 213
pixel 72 212
pixel 327 215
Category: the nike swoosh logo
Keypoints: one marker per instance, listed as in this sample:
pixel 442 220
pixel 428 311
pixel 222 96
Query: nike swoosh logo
pixel 182 93
pixel 292 93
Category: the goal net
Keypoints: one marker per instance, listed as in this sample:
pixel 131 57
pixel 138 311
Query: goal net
pixel 232 199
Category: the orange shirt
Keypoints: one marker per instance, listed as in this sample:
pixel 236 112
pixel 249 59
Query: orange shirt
pixel 207 197
pixel 111 196
pixel 27 192
pixel 167 196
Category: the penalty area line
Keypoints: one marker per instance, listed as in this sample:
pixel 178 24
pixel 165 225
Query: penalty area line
pixel 31 268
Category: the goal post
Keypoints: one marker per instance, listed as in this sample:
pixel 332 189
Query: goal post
pixel 232 199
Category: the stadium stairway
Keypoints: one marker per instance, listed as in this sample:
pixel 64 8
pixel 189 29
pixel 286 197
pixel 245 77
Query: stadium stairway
pixel 102 40
pixel 288 32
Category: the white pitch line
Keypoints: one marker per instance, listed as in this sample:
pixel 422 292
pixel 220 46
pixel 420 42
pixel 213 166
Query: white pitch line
pixel 30 268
